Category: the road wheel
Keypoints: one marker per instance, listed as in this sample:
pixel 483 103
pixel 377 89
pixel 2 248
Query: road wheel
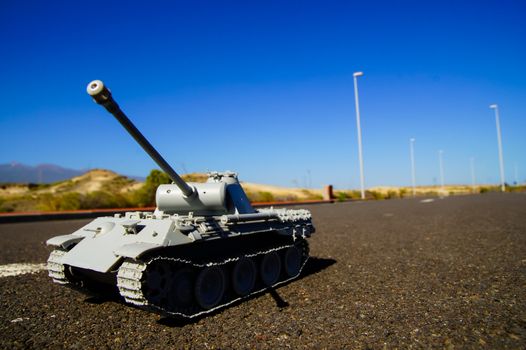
pixel 270 268
pixel 156 283
pixel 210 287
pixel 244 276
pixel 292 261
pixel 181 288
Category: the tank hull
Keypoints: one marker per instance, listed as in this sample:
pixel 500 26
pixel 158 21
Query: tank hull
pixel 139 254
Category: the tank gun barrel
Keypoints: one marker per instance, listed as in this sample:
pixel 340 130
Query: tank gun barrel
pixel 102 95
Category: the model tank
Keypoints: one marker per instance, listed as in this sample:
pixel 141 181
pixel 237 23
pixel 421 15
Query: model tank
pixel 204 247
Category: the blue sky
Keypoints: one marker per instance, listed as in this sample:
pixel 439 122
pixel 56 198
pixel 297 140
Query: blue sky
pixel 265 88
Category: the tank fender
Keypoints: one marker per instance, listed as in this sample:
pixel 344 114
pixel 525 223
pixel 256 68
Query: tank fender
pixel 135 250
pixel 64 241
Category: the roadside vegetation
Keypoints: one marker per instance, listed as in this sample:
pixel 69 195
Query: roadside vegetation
pixel 99 189
pixel 434 191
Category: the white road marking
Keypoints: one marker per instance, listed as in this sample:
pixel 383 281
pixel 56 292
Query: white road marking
pixel 429 200
pixel 20 269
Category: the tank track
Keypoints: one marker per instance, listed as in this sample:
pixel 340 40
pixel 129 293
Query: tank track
pixel 55 268
pixel 131 274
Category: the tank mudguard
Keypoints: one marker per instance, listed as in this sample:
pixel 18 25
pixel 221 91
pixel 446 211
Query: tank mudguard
pixel 64 241
pixel 135 250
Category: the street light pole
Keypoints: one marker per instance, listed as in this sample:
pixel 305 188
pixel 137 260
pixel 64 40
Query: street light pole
pixel 413 174
pixel 441 165
pixel 499 139
pixel 472 166
pixel 516 170
pixel 359 130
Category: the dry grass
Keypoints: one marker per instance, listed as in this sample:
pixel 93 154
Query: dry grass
pixel 105 189
pixel 279 193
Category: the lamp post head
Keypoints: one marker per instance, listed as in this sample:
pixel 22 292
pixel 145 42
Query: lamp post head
pixel 493 106
pixel 412 139
pixel 357 74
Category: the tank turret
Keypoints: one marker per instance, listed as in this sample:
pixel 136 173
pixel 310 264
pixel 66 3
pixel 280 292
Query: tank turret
pixel 203 248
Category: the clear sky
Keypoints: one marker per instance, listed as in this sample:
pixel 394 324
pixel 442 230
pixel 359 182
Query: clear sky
pixel 265 88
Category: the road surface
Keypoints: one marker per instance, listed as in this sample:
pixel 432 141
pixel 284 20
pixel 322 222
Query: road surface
pixel 439 273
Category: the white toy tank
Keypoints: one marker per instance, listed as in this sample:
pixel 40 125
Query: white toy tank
pixel 203 248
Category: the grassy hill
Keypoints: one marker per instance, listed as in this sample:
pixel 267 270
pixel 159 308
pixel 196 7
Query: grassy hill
pixel 95 189
pixel 105 189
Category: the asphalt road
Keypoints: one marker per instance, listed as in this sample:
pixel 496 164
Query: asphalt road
pixel 399 273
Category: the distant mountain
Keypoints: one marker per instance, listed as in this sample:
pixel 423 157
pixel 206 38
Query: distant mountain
pixel 43 173
pixel 136 178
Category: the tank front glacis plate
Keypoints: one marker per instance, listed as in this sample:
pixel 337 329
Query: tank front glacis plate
pixel 104 236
